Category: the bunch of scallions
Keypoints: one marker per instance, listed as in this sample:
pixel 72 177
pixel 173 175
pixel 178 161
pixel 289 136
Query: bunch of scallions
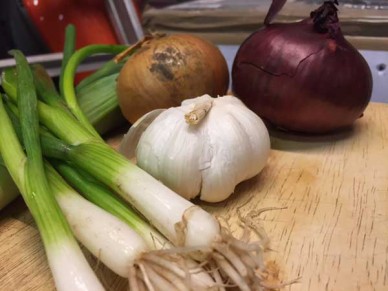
pixel 78 188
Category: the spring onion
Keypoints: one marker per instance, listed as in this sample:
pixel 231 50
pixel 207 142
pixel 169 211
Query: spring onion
pixel 70 269
pixel 176 218
pixel 8 189
pixel 68 79
pixel 112 241
pixel 45 87
pixel 102 196
pixel 109 68
pixel 68 50
pixel 97 89
pixel 46 112
pixel 98 100
pixel 104 235
pixel 160 261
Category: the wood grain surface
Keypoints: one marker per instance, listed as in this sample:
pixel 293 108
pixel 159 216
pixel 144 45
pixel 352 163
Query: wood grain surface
pixel 331 230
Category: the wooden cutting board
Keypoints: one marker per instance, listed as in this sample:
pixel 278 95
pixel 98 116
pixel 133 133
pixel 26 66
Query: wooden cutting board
pixel 332 231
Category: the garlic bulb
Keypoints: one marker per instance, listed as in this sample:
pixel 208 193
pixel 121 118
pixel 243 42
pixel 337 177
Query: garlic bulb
pixel 204 147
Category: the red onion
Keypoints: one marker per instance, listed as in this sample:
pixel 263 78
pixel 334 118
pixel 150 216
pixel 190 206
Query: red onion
pixel 303 76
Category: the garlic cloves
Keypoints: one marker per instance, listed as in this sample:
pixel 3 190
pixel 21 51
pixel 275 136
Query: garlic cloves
pixel 204 147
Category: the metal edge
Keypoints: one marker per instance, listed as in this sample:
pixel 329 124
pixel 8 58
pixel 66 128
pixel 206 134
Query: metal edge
pixel 125 20
pixel 52 62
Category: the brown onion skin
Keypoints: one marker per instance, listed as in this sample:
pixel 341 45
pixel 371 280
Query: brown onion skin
pixel 301 80
pixel 167 70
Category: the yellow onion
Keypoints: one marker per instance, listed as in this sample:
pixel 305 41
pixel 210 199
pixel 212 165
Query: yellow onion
pixel 165 70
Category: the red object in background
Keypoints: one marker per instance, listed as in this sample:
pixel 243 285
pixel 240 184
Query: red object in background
pixel 89 17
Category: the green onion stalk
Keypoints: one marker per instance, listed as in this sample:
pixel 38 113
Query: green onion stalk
pixel 102 108
pixel 68 50
pixel 8 189
pixel 153 253
pixel 113 232
pixel 103 234
pixel 113 236
pixel 70 268
pixel 96 95
pixel 69 92
pixel 179 220
pixel 102 196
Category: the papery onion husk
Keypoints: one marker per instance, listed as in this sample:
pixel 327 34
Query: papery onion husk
pixel 168 69
pixel 303 76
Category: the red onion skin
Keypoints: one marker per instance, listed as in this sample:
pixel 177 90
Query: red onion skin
pixel 302 80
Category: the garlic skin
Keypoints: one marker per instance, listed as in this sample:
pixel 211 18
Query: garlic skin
pixel 228 145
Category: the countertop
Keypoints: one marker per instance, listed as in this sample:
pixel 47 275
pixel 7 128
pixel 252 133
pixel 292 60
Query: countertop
pixel 331 230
